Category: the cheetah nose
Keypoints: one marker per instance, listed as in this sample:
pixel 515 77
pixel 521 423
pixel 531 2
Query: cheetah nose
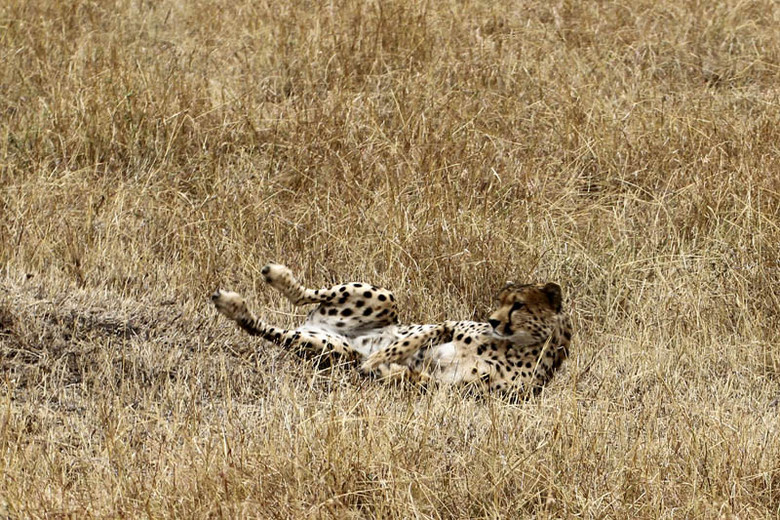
pixel 494 323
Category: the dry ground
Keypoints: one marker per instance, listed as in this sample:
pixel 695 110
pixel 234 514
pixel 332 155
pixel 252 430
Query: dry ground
pixel 153 151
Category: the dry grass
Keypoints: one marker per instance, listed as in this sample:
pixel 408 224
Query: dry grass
pixel 152 151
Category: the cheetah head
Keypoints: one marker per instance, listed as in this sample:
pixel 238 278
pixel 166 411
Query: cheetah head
pixel 526 314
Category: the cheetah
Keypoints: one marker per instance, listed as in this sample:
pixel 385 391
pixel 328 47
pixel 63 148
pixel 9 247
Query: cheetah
pixel 524 341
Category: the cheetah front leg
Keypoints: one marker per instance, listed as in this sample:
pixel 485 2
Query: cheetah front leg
pixel 400 350
pixel 234 307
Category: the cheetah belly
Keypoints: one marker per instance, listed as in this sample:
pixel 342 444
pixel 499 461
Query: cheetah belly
pixel 444 354
pixel 375 340
pixel 450 368
pixel 365 343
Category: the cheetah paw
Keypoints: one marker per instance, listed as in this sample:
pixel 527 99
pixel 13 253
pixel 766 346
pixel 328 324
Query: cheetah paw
pixel 373 362
pixel 275 273
pixel 229 304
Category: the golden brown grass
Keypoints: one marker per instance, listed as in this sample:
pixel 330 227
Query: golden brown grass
pixel 153 151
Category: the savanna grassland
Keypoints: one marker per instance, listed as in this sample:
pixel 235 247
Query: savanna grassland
pixel 151 152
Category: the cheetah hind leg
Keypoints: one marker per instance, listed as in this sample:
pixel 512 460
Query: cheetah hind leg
pixel 281 278
pixel 351 308
pixel 307 342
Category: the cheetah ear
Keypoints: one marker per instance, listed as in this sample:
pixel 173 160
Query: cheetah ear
pixel 508 286
pixel 554 294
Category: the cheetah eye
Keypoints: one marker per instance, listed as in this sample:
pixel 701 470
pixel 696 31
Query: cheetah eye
pixel 516 306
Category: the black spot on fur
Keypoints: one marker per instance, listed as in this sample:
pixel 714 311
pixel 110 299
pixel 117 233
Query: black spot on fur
pixel 367 294
pixel 346 312
pixel 368 311
pixel 382 297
